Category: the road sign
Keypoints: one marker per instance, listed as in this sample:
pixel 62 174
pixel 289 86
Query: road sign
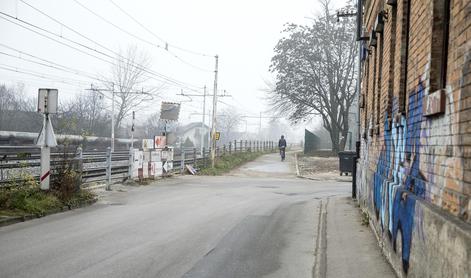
pixel 47 137
pixel 165 166
pixel 47 101
pixel 217 135
pixel 147 144
pixel 47 104
pixel 160 142
pixel 169 111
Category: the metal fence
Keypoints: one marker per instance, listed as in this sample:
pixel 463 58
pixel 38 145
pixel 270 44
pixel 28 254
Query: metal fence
pixel 92 165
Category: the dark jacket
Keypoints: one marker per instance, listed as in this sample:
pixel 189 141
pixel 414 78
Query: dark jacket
pixel 282 143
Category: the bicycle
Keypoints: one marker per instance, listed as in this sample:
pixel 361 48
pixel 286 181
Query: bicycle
pixel 282 153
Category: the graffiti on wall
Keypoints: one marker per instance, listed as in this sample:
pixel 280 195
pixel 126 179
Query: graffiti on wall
pixel 398 181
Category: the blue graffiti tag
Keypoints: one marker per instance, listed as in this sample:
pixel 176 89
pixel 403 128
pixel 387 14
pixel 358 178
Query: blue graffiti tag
pixel 399 158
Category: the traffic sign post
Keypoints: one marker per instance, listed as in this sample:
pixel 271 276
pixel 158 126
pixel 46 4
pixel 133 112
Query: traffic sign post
pixel 47 103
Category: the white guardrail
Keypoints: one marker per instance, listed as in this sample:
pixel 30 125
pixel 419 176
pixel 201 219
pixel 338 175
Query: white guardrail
pixel 102 165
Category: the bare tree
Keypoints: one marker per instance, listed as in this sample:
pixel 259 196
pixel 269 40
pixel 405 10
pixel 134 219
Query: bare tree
pixel 316 73
pixel 153 125
pixel 129 75
pixel 84 115
pixel 228 122
pixel 17 111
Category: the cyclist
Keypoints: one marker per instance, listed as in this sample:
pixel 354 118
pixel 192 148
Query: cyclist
pixel 282 147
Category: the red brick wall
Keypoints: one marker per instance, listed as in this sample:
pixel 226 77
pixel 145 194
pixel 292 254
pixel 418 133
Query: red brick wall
pixel 421 153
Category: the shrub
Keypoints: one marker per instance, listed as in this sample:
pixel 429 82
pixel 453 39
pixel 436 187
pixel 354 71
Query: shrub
pixel 226 163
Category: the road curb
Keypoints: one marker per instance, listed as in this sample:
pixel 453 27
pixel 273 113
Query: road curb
pixel 18 219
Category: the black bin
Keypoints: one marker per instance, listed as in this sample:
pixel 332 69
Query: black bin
pixel 346 159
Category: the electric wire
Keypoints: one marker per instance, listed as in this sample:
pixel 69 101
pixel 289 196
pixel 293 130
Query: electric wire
pixel 157 36
pixel 137 37
pixel 10 19
pixel 50 77
pixel 52 65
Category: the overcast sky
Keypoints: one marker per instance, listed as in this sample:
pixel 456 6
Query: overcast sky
pixel 243 34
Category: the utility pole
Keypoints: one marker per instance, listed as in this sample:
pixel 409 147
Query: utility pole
pixel 213 129
pixel 112 118
pixel 132 129
pixel 112 91
pixel 202 122
pixel 204 110
pixel 359 15
pixel 209 124
pixel 260 117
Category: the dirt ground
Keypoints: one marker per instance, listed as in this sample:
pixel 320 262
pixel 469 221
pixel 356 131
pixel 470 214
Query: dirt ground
pixel 320 168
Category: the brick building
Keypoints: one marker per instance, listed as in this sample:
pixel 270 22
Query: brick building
pixel 414 170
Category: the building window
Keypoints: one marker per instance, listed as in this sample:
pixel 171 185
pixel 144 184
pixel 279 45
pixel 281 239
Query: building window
pixel 374 89
pixel 439 45
pixel 404 55
pixel 392 47
pixel 379 85
pixel 365 110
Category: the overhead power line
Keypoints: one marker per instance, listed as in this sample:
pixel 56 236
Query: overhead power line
pixel 49 64
pixel 157 36
pixel 116 26
pixel 81 35
pixel 135 36
pixel 29 27
pixel 41 75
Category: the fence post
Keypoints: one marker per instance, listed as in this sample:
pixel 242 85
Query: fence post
pixel 224 149
pixel 230 147
pixel 79 165
pixel 204 157
pixel 194 157
pixel 108 168
pixel 131 162
pixel 182 162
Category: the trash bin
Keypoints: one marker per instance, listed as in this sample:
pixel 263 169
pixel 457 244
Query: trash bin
pixel 346 159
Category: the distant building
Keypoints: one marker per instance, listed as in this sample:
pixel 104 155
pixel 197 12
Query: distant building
pixel 193 132
pixel 414 170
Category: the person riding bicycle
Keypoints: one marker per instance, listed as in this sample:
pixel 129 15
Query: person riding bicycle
pixel 282 147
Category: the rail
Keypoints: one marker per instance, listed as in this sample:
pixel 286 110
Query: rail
pixel 15 160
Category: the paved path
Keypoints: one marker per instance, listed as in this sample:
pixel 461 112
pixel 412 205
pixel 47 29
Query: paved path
pixel 264 223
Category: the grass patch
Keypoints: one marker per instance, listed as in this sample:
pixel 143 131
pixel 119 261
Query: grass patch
pixel 365 218
pixel 23 200
pixel 227 163
pixel 23 195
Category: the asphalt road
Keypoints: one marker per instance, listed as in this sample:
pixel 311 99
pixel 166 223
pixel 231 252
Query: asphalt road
pixel 258 221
